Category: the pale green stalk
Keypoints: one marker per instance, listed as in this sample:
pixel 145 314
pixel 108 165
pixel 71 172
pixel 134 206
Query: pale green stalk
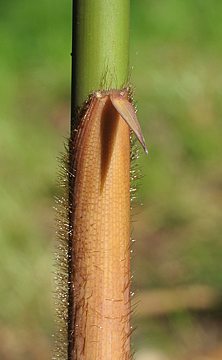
pixel 100 46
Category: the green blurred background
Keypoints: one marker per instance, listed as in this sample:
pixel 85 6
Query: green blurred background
pixel 176 58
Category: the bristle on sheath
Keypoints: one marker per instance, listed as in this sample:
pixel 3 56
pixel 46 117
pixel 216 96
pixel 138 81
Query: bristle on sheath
pixel 69 251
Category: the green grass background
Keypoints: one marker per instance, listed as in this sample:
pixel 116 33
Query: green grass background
pixel 176 59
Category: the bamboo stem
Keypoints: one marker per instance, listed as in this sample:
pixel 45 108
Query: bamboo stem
pixel 99 294
pixel 100 46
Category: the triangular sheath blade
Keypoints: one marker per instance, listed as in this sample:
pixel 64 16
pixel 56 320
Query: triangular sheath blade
pixel 127 112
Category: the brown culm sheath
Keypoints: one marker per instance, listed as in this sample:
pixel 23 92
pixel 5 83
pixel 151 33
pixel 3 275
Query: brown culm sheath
pixel 99 241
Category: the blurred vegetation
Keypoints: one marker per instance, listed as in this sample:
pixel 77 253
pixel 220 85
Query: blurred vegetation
pixel 176 51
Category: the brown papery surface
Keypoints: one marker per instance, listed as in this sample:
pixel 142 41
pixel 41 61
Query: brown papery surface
pixel 99 269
